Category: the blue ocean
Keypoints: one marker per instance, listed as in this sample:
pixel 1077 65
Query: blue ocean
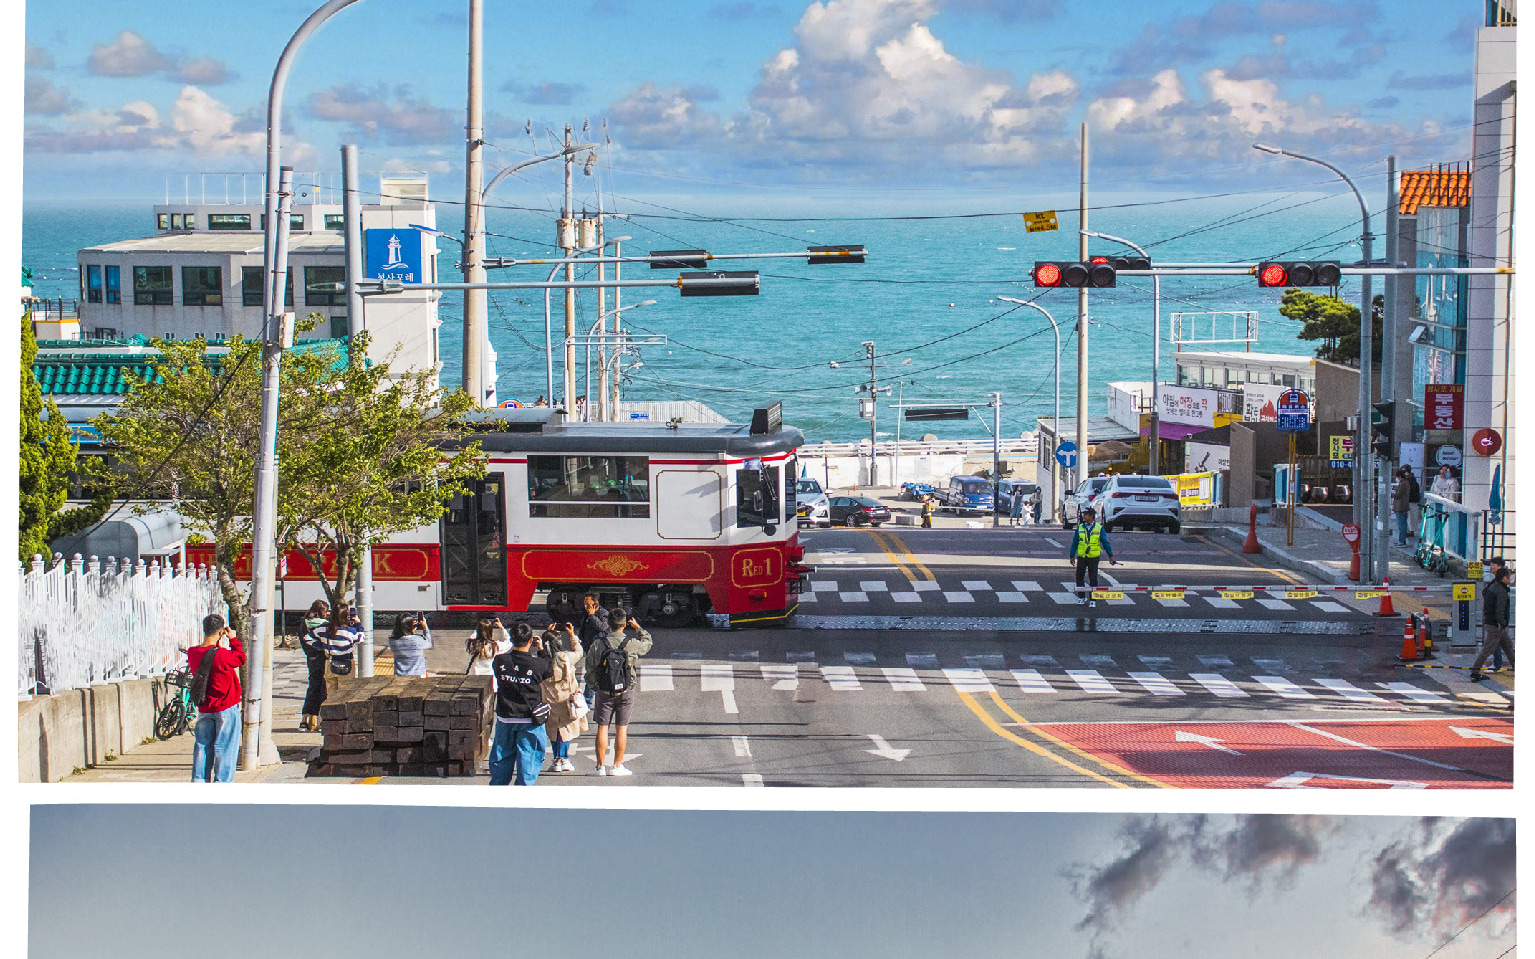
pixel 927 298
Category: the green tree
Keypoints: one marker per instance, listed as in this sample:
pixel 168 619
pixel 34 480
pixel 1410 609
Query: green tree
pixel 1334 322
pixel 189 433
pixel 47 457
pixel 391 457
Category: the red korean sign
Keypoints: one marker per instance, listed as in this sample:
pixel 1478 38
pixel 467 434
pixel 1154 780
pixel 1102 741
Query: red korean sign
pixel 1486 442
pixel 1443 404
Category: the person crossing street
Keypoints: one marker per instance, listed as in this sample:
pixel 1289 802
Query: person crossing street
pixel 928 509
pixel 1089 543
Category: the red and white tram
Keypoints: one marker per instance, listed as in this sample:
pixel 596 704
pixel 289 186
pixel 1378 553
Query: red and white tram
pixel 670 520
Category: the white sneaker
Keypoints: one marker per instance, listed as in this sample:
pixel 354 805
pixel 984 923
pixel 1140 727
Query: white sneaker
pixel 599 771
pixel 1092 604
pixel 620 770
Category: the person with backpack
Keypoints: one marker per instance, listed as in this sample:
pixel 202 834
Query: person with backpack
pixel 612 668
pixel 215 668
pixel 313 645
pixel 519 743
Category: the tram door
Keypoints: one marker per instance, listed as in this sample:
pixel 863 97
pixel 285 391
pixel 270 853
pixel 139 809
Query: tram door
pixel 474 546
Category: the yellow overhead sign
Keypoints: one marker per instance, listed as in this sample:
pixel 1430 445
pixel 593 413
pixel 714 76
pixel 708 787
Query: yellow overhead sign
pixel 1039 222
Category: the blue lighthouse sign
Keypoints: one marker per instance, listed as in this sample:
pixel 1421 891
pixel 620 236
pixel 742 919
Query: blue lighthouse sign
pixel 394 254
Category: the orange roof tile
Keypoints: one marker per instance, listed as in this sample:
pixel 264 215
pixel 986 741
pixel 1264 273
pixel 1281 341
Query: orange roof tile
pixel 1434 188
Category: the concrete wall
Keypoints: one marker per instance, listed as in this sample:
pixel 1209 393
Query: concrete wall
pixel 1242 480
pixel 81 727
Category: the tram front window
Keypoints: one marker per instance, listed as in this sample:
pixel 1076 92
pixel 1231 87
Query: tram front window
pixel 589 486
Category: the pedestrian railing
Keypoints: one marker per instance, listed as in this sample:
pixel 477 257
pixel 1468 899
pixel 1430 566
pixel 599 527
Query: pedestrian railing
pixel 1498 535
pixel 1460 526
pixel 84 622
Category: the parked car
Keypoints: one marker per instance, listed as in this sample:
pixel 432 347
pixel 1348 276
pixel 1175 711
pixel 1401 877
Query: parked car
pixel 967 494
pixel 858 511
pixel 1071 505
pixel 1149 502
pixel 812 503
pixel 915 490
pixel 1007 489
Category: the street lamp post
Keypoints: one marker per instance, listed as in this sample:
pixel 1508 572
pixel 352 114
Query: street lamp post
pixel 1155 439
pixel 603 361
pixel 1056 423
pixel 1364 490
pixel 257 747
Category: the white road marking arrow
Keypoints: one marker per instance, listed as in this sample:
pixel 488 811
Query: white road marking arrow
pixel 883 750
pixel 1210 741
pixel 1482 734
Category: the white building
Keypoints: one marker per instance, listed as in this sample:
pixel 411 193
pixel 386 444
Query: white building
pixel 199 274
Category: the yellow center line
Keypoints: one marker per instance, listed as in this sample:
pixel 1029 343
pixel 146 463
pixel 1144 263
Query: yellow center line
pixel 992 724
pixel 899 545
pixel 1112 767
pixel 890 553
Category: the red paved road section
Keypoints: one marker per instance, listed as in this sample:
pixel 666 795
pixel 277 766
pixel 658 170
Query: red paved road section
pixel 1403 754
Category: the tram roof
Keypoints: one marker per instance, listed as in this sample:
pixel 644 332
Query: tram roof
pixel 543 430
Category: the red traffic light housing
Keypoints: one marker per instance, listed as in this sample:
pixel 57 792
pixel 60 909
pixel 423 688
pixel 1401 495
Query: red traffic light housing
pixel 1299 273
pixel 1054 274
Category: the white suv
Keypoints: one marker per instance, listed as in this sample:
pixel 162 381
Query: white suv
pixel 1072 504
pixel 812 503
pixel 1147 501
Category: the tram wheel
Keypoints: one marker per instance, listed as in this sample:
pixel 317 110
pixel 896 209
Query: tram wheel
pixel 682 613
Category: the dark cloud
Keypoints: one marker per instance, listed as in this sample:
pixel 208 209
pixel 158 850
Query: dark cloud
pixel 1152 847
pixel 1263 845
pixel 130 55
pixel 1446 878
pixel 38 58
pixel 42 98
pixel 393 117
pixel 545 94
pixel 1438 81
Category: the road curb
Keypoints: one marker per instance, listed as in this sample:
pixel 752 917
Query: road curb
pixel 1321 571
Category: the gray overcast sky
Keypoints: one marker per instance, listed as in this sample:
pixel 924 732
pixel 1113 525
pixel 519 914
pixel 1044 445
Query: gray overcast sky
pixel 378 882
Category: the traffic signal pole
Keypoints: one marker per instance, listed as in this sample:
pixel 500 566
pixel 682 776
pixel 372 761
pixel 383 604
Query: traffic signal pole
pixel 1082 374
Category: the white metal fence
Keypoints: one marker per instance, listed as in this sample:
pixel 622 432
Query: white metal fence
pixel 84 622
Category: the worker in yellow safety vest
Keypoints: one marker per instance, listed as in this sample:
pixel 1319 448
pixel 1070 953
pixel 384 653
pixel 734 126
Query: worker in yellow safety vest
pixel 1089 543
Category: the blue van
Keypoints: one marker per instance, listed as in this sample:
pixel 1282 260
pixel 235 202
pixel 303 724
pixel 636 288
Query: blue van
pixel 968 494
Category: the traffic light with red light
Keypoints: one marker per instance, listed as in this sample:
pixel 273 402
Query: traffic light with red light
pixel 1099 273
pixel 1298 273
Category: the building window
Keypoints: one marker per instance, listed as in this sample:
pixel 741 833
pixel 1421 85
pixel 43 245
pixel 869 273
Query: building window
pixel 317 278
pixel 335 221
pixel 183 221
pixel 202 286
pixel 339 328
pixel 104 333
pixel 114 285
pixel 93 284
pixel 589 486
pixel 296 222
pixel 162 221
pixel 253 286
pixel 229 221
pixel 152 286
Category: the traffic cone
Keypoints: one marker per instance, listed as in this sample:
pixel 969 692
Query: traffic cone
pixel 1252 545
pixel 1409 644
pixel 1386 609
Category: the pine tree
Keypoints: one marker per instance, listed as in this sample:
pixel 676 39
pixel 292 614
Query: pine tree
pixel 47 455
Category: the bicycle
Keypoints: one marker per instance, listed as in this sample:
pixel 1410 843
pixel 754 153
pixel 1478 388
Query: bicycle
pixel 1431 554
pixel 177 715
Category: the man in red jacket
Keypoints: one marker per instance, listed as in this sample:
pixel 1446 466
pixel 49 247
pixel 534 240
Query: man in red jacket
pixel 216 745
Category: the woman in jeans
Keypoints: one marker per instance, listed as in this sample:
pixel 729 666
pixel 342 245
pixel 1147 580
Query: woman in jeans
pixel 313 644
pixel 562 690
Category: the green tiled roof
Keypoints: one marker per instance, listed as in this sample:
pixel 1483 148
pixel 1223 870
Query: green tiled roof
pixel 92 372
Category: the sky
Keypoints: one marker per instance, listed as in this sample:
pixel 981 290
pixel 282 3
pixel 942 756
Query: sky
pixel 838 101
pixel 688 885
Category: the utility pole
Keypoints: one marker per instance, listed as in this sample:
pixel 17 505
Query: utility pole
pixel 1082 381
pixel 567 241
pixel 618 319
pixel 868 347
pixel 996 458
pixel 1388 372
pixel 351 210
pixel 475 325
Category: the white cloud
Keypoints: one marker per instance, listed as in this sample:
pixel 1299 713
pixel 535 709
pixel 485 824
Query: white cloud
pixel 130 55
pixel 206 126
pixel 396 118
pixel 653 116
pixel 197 126
pixel 42 98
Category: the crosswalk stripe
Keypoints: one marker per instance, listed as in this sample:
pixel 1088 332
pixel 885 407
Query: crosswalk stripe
pixel 713 677
pixel 1173 603
pixel 1063 599
pixel 1030 681
pixel 1008 596
pixel 924 586
pixel 922 660
pixel 1157 684
pixel 1328 606
pixel 781 675
pixel 904 597
pixel 1283 687
pixel 986 661
pixel 860 659
pixel 655 677
pixel 1221 602
pixel 1349 691
pixel 1026 585
pixel 1219 685
pixel 874 586
pixel 807 597
pixel 976 584
pixel 1274 604
pixel 1090 681
pixel 840 677
pixel 1413 693
pixel 969 680
pixel 854 597
pixel 958 597
pixel 903 679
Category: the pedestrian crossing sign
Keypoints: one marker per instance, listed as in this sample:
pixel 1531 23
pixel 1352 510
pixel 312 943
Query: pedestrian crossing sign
pixel 1236 594
pixel 1167 594
pixel 1369 593
pixel 1300 594
pixel 1108 594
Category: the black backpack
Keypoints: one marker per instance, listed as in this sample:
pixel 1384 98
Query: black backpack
pixel 613 673
pixel 199 687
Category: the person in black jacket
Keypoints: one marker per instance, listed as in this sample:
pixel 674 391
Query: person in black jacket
pixel 517 749
pixel 1495 609
pixel 313 644
pixel 593 624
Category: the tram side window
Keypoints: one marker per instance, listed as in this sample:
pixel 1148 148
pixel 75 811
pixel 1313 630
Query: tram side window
pixel 757 497
pixel 790 488
pixel 612 487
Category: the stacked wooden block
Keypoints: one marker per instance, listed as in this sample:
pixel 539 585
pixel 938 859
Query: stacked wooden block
pixel 405 726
